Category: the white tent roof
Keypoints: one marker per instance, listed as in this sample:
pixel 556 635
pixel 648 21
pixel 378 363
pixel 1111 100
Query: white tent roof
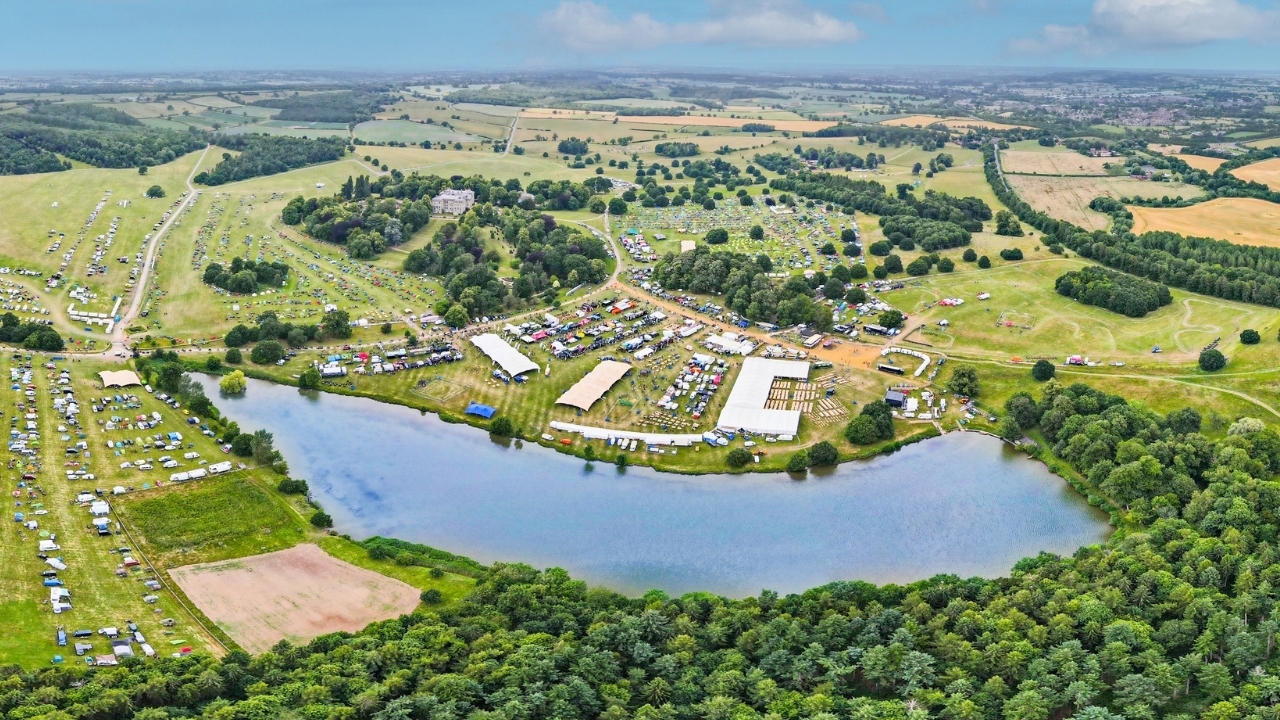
pixel 119 378
pixel 591 388
pixel 501 352
pixel 745 407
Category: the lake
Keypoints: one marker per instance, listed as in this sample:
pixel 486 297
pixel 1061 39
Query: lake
pixel 963 503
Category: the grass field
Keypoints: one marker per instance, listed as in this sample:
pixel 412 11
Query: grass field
pixel 1244 220
pixel 409 132
pixel 1266 172
pixel 1030 162
pixel 1068 198
pixel 952 122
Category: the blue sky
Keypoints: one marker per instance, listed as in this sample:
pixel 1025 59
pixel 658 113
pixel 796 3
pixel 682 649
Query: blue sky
pixel 416 35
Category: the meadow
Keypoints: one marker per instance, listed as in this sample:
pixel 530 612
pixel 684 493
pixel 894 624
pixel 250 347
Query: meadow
pixel 1029 162
pixel 1068 198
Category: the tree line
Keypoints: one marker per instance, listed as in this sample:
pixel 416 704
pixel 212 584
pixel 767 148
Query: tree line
pixel 1115 291
pixel 243 276
pixel 31 141
pixel 268 155
pixel 347 106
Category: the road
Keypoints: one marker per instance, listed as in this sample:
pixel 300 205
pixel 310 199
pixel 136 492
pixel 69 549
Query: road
pixel 511 139
pixel 119 338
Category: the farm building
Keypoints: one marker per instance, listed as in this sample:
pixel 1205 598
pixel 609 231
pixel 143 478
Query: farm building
pixel 501 352
pixel 591 388
pixel 745 408
pixel 893 398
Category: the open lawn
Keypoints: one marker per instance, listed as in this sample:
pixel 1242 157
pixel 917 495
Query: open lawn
pixel 1244 220
pixel 1266 172
pixel 703 121
pixel 1068 198
pixel 293 595
pixel 409 132
pixel 1052 163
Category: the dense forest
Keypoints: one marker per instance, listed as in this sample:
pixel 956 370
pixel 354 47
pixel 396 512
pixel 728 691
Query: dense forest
pixel 885 135
pixel 1170 618
pixel 1115 291
pixel 103 137
pixel 1211 267
pixel 545 94
pixel 268 155
pixel 347 106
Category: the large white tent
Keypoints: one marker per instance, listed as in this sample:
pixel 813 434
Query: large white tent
pixel 501 352
pixel 591 388
pixel 745 408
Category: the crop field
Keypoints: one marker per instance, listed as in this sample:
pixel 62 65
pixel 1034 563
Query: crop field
pixel 1200 162
pixel 1068 198
pixel 293 595
pixel 954 123
pixel 1266 172
pixel 1052 163
pixel 1244 220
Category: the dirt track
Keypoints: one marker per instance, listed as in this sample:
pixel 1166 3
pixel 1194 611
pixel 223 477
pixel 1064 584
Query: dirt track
pixel 295 595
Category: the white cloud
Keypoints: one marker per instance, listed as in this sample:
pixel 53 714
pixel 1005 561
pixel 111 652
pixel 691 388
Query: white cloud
pixel 1154 25
pixel 588 26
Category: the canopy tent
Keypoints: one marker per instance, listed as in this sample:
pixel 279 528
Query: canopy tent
pixel 119 378
pixel 501 352
pixel 745 408
pixel 591 388
pixel 484 411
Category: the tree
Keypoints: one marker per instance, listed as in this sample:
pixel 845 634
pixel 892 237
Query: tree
pixel 964 381
pixel 1211 360
pixel 213 363
pixel 385 329
pixel 1043 370
pixel 321 520
pixel 717 236
pixel 738 457
pixel 267 352
pixel 1250 337
pixel 798 462
pixel 617 206
pixel 946 265
pixel 892 319
pixel 431 596
pixel 456 316
pixel 309 379
pixel 242 445
pixel 142 169
pixel 262 445
pixel 824 453
pixel 336 324
pixel 1023 409
pixel 893 264
pixel 862 430
pixel 984 262
pixel 756 232
pixel 234 383
pixel 1010 429
pixel 233 356
pixel 858 272
pixel 969 255
pixel 155 191
pixel 501 426
pixel 855 296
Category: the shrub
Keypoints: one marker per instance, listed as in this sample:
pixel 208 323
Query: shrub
pixel 798 462
pixel 946 265
pixel 501 426
pixel 1250 337
pixel 321 519
pixel 309 379
pixel 1043 370
pixel 431 596
pixel 824 453
pixel 969 255
pixel 293 486
pixel 436 573
pixel 1211 360
pixel 918 267
pixel 213 363
pixel 234 383
pixel 880 248
pixel 738 457
pixel 880 272
pixel 1011 254
pixel 233 356
pixel 984 262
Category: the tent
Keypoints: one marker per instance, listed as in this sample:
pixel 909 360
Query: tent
pixel 501 352
pixel 119 378
pixel 484 411
pixel 591 388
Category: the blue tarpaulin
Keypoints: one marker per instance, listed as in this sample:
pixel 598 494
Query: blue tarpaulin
pixel 483 411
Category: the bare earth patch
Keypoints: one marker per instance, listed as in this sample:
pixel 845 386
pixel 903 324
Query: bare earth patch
pixel 1248 221
pixel 295 595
